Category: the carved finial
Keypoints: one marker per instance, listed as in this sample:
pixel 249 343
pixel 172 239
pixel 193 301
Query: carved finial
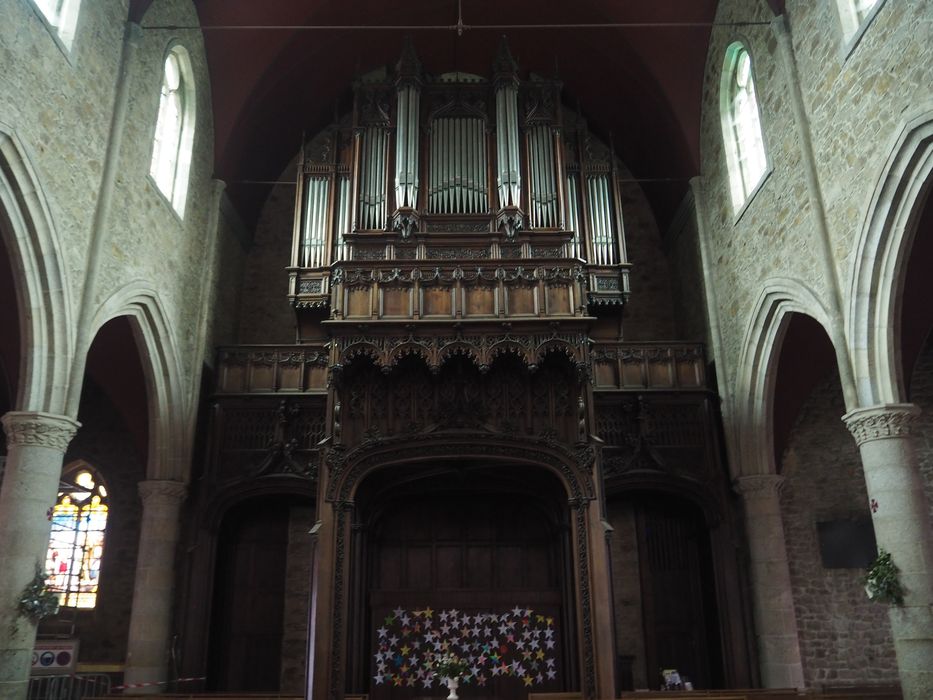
pixel 408 68
pixel 505 68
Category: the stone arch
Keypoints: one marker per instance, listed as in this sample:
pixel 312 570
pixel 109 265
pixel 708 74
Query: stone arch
pixel 43 296
pixel 573 468
pixel 879 265
pixel 755 384
pixel 170 413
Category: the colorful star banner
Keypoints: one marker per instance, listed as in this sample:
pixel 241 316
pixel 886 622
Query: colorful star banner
pixel 518 643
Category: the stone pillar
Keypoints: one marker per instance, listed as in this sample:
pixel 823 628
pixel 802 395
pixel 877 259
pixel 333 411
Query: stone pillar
pixel 772 595
pixel 36 444
pixel 902 527
pixel 151 616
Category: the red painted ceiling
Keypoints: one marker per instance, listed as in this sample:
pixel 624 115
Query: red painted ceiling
pixel 642 84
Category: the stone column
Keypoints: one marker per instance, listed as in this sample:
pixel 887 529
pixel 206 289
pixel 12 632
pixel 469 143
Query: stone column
pixel 772 595
pixel 902 527
pixel 151 616
pixel 36 444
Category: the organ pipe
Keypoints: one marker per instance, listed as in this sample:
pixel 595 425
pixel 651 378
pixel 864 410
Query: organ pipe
pixel 406 147
pixel 372 214
pixel 343 217
pixel 507 144
pixel 315 224
pixel 543 212
pixel 457 178
pixel 509 180
pixel 602 233
pixel 573 216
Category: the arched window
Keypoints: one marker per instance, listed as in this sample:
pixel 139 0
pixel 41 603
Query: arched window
pixel 79 521
pixel 741 125
pixel 62 16
pixel 174 133
pixel 853 13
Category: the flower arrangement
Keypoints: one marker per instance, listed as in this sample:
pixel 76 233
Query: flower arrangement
pixel 37 602
pixel 882 583
pixel 449 665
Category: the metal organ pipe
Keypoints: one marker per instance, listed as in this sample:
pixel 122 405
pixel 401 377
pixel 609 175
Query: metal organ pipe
pixel 601 228
pixel 543 186
pixel 458 166
pixel 510 182
pixel 343 217
pixel 406 147
pixel 373 195
pixel 573 220
pixel 315 224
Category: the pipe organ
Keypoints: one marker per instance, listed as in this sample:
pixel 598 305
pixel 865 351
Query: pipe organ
pixel 485 176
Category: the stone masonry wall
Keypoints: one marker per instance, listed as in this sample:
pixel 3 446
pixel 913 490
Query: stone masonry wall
pixel 921 393
pixel 148 239
pixel 682 248
pixel 844 638
pixel 265 315
pixel 854 105
pixel 59 104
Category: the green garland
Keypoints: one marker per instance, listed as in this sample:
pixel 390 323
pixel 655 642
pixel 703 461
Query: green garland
pixel 37 602
pixel 882 583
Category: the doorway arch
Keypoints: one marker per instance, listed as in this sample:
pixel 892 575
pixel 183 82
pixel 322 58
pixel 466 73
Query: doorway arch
pixel 479 560
pixel 572 469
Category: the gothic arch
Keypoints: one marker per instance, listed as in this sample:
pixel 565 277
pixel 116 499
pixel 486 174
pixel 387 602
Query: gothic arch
pixel 880 263
pixel 43 299
pixel 761 349
pixel 170 414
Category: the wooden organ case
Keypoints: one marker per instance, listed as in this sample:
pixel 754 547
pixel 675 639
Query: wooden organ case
pixel 459 275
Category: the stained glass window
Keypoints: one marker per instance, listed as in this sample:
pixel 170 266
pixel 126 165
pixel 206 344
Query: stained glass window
pixel 79 522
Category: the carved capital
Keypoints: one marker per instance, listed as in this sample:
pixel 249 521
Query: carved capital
pixel 39 429
pixel 162 493
pixel 759 486
pixel 879 422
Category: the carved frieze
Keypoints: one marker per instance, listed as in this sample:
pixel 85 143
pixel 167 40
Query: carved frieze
pixel 607 284
pixel 294 357
pixel 481 348
pixel 456 253
pixel 457 227
pixel 311 286
pixel 549 251
pixel 369 252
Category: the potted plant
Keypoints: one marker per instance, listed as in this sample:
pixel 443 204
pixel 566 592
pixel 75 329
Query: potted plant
pixel 882 583
pixel 451 668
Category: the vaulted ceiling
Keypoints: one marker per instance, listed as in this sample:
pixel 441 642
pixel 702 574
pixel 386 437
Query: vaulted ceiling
pixel 282 67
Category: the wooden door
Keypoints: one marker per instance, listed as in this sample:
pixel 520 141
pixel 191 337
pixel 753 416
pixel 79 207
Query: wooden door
pixel 677 602
pixel 477 574
pixel 247 624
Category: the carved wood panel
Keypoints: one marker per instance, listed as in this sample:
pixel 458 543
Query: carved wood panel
pixel 508 398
